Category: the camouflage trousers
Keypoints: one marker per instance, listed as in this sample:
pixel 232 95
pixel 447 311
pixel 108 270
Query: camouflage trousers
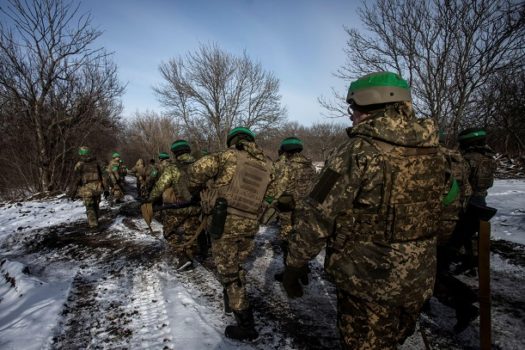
pixel 91 203
pixel 285 220
pixel 179 226
pixel 365 325
pixel 229 255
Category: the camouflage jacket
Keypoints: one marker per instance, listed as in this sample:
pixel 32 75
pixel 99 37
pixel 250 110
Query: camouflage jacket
pixel 89 178
pixel 114 172
pixel 139 169
pixel 215 172
pixel 458 168
pixel 376 205
pixel 301 175
pixel 291 178
pixel 482 167
pixel 172 184
pixel 279 178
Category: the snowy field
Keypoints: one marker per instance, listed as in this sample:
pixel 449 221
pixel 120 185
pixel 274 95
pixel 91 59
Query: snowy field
pixel 62 287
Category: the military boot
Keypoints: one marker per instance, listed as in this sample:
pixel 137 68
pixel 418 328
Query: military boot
pixel 465 314
pixel 245 328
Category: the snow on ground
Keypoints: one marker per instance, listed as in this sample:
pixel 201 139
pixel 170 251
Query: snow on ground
pixel 508 197
pixel 63 287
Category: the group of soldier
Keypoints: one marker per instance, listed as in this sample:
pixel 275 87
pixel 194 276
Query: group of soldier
pixel 386 208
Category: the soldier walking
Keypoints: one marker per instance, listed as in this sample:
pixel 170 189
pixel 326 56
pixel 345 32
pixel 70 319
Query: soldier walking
pixel 294 173
pixel 235 183
pixel 376 207
pixel 114 174
pixel 179 225
pixel 89 184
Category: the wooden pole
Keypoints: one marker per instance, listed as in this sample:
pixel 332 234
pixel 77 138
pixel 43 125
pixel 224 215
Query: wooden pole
pixel 485 327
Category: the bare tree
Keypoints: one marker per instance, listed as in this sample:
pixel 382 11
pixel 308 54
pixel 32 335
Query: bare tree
pixel 55 84
pixel 319 139
pixel 210 91
pixel 447 49
pixel 502 101
pixel 149 133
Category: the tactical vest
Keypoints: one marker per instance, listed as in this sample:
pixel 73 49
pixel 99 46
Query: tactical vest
pixel 90 173
pixel 413 184
pixel 245 192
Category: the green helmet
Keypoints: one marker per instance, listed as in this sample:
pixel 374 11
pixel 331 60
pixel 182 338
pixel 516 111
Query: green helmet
pixel 291 144
pixel 180 146
pixel 472 134
pixel 115 155
pixel 84 151
pixel 378 88
pixel 239 133
pixel 164 155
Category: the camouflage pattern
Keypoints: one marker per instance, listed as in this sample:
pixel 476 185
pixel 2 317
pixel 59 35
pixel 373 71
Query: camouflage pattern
pixel 179 225
pixel 389 166
pixel 367 325
pixel 292 177
pixel 139 170
pixel 115 179
pixel 90 186
pixel 482 167
pixel 232 249
pixel 458 169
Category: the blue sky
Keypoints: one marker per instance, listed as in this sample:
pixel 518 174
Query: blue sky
pixel 300 41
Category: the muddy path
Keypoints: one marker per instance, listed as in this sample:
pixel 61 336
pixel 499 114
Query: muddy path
pixel 117 298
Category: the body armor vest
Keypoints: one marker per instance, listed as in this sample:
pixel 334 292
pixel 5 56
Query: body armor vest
pixel 245 192
pixel 90 173
pixel 413 184
pixel 179 192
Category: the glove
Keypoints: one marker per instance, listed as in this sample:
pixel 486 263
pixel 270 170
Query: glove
pixel 106 194
pixel 291 284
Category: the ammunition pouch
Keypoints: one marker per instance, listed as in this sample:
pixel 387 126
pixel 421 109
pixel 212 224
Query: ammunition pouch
pixel 285 203
pixel 218 218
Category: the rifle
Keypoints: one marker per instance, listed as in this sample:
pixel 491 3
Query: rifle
pixel 176 205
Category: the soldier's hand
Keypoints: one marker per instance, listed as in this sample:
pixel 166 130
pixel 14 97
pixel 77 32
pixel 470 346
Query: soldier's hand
pixel 106 194
pixel 291 284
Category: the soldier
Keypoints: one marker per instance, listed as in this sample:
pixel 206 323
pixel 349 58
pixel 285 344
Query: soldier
pixel 114 174
pixel 164 161
pixel 236 181
pixel 448 289
pixel 482 166
pixel 376 207
pixel 179 225
pixel 297 173
pixel 139 171
pixel 89 184
pixel 153 171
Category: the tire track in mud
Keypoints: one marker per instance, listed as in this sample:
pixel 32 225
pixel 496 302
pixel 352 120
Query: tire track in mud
pixel 150 320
